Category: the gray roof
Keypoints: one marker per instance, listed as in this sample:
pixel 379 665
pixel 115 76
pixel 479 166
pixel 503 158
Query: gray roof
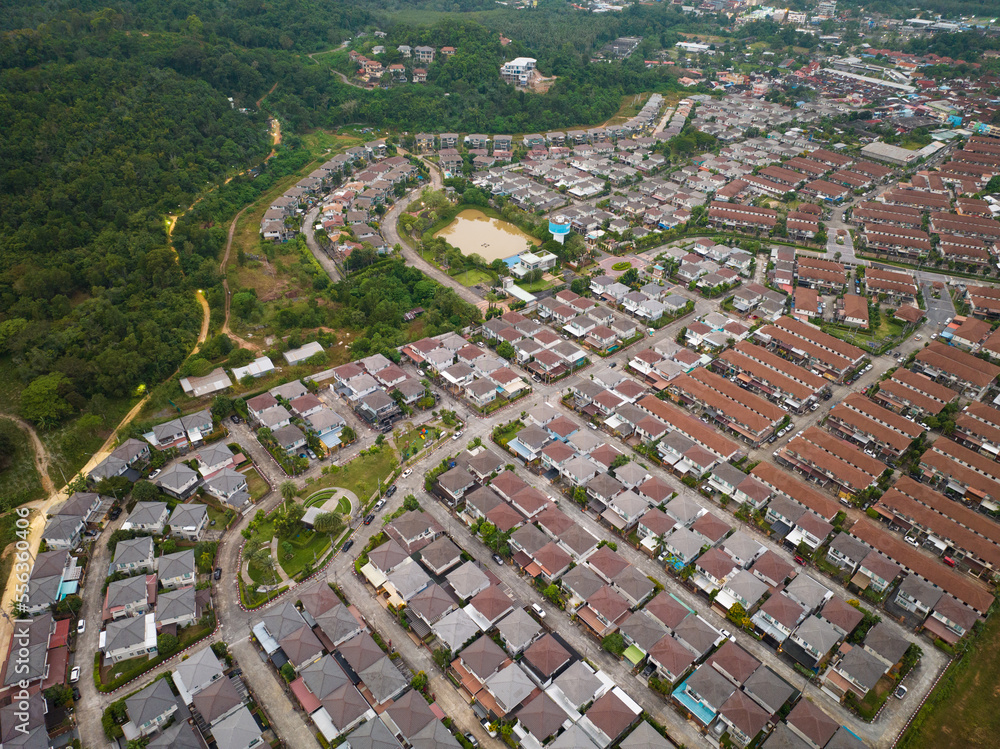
pixel 455 629
pixel 151 702
pixel 236 731
pixel 818 634
pixel 633 583
pixel 409 579
pixel 323 677
pixel 177 564
pixel 227 480
pixel 387 556
pixel 432 602
pixel 530 538
pixel 863 667
pixel 129 590
pixel 573 738
pixel 742 545
pixel 884 641
pixel 441 553
pixel 289 390
pixel 133 550
pixel 201 667
pixel 125 633
pixel 483 657
pixel 510 686
pixel 175 477
pixel 696 634
pixel 214 454
pixel 684 509
pixel 467 580
pixel 288 436
pixel 178 736
pixel 518 629
pixel 844 739
pixel 434 736
pixel 768 689
pixel 274 415
pixel 579 683
pixel 176 604
pixel 338 623
pixel 188 515
pixel 148 513
pixel 583 580
pixel 383 679
pixel 914 586
pixel 645 737
pixel 783 738
pixel 713 687
pixel 79 504
pixel 685 541
pixel 62 527
pixel 643 630
pixel 372 734
pixel 283 620
pixel 729 474
pixel 631 473
pixel 807 591
pixel 217 699
pixel 747 586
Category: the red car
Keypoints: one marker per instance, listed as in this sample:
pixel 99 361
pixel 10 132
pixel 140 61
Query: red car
pixel 800 560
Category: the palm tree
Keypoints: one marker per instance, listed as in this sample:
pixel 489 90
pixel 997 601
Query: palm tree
pixel 289 490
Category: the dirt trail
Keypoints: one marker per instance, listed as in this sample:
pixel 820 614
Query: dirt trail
pixel 225 285
pixel 41 454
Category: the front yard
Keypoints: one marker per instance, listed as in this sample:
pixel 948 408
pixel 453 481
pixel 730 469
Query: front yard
pixel 256 485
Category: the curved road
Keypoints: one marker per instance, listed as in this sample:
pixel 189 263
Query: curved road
pixel 390 229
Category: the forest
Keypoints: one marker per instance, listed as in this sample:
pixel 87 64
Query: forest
pixel 118 114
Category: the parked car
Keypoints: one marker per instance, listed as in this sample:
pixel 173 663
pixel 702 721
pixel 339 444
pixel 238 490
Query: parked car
pixel 538 610
pixel 457 436
pixel 217 574
pixel 900 692
pixel 348 544
pixel 155 473
pixel 390 491
pixel 76 694
pixel 116 513
pixel 235 419
pixel 74 675
pixel 369 519
pixel 81 626
pixel 800 560
pixel 407 472
pixel 498 559
pixel 379 505
pixel 311 454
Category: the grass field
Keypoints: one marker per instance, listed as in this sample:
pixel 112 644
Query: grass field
pixel 962 711
pixel 362 474
pixel 631 106
pixel 888 328
pixel 20 482
pixel 256 485
pixel 410 442
pixel 535 286
pixel 473 277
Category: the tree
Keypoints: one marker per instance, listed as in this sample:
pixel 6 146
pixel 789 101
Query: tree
pixel 287 550
pixel 614 644
pixel 506 350
pixel 60 694
pixel 145 491
pixel 222 406
pixel 580 286
pixel 205 562
pixel 419 681
pixel 167 644
pixel 288 490
pixel 326 522
pixel 287 522
pixel 43 401
pixel 288 672
pixel 410 503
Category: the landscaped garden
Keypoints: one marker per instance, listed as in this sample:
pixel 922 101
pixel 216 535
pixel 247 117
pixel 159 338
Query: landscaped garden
pixel 299 549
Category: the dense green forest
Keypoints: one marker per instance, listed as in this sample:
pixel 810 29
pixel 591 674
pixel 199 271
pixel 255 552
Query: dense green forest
pixel 117 114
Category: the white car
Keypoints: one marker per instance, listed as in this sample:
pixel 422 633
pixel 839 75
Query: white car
pixel 458 436
pixel 81 626
pixel 538 610
pixel 74 675
pixel 407 472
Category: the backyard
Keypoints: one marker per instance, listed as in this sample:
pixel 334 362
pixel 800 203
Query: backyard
pixel 474 277
pixel 962 710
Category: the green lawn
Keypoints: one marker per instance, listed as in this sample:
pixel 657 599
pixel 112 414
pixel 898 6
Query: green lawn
pixel 20 482
pixel 362 474
pixel 866 338
pixel 535 286
pixel 509 432
pixel 412 441
pixel 962 711
pixel 221 516
pixel 256 485
pixel 344 506
pixel 474 277
pixel 309 549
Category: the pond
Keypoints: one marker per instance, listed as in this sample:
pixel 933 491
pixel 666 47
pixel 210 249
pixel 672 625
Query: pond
pixel 475 233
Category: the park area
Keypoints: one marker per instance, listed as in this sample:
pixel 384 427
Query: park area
pixel 363 474
pixel 281 548
pixel 889 333
pixel 962 711
pixel 415 439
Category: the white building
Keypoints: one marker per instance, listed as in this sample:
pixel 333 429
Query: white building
pixel 518 71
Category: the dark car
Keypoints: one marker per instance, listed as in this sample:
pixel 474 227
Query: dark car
pixel 390 491
pixel 76 694
pixel 348 545
pixel 369 519
pixel 218 573
pixel 116 513
pixel 235 419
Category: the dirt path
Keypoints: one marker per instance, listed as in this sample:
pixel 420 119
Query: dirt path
pixel 41 454
pixel 271 91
